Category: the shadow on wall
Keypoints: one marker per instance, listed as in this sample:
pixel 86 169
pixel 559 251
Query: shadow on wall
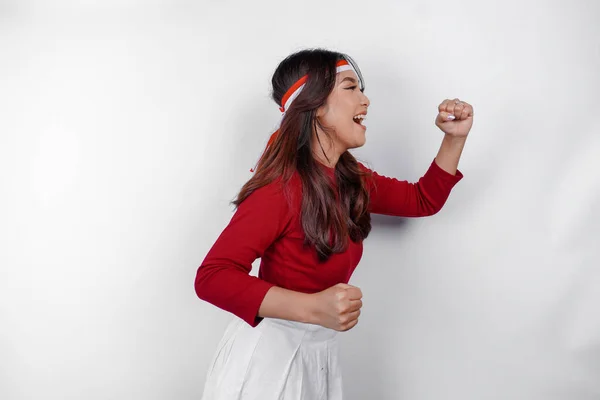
pixel 387 222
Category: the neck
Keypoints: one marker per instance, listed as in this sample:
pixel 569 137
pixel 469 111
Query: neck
pixel 324 150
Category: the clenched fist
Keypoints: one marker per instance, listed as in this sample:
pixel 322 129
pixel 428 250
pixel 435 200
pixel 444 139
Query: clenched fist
pixel 455 117
pixel 338 307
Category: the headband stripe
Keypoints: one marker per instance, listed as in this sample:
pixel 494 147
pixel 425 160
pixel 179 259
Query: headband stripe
pixel 292 93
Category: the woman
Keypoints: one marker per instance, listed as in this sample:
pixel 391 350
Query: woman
pixel 305 213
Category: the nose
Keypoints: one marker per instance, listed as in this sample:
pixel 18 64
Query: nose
pixel 365 100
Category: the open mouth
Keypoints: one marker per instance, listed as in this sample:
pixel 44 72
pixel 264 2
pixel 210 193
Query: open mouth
pixel 358 119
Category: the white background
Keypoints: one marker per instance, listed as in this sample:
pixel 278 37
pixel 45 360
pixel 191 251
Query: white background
pixel 126 127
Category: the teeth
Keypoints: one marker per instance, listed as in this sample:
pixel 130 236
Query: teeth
pixel 361 116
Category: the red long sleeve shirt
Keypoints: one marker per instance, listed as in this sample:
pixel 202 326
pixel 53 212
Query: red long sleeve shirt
pixel 267 225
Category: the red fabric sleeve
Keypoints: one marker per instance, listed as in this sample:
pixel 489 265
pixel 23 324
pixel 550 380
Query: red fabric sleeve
pixel 391 196
pixel 223 277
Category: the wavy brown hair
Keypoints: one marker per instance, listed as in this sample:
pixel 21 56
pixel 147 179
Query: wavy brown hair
pixel 327 222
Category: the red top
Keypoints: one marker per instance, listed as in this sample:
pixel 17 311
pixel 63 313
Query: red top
pixel 267 225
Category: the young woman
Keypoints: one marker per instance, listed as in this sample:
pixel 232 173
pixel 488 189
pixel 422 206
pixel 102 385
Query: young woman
pixel 305 212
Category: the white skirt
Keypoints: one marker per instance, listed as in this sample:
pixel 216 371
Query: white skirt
pixel 277 360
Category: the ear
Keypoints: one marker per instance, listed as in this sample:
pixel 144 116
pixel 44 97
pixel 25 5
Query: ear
pixel 322 110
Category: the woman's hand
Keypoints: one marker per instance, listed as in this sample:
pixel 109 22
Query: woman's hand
pixel 337 308
pixel 455 118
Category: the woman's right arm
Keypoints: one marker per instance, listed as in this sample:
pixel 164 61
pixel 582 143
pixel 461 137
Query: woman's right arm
pixel 223 277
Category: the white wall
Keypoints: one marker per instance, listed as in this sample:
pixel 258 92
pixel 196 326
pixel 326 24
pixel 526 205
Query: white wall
pixel 127 127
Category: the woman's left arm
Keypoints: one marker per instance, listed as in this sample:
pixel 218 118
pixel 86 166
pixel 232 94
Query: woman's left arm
pixel 426 197
pixel 455 119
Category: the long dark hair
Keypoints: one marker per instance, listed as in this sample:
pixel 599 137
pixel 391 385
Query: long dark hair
pixel 327 221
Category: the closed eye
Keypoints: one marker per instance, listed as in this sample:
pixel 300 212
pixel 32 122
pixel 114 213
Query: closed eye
pixel 351 87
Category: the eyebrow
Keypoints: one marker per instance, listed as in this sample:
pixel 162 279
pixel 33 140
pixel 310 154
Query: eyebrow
pixel 348 78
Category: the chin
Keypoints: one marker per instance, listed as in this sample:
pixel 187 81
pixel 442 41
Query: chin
pixel 353 140
pixel 357 144
pixel 360 141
